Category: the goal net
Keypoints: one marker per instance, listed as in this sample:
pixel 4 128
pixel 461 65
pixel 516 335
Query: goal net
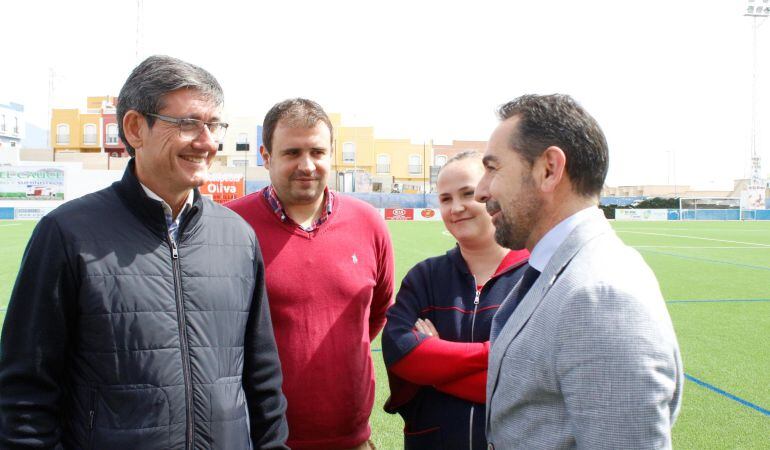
pixel 704 208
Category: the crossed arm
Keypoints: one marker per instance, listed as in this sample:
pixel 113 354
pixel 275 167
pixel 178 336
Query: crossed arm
pixel 454 368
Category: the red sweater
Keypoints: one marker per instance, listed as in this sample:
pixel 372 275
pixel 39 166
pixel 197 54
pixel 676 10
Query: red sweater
pixel 328 291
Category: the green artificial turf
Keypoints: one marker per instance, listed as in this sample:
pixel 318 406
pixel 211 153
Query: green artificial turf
pixel 699 265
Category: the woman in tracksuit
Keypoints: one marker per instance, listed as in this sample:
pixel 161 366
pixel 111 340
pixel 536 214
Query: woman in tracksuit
pixel 436 340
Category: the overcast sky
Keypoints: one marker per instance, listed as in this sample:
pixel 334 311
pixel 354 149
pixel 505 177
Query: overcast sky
pixel 669 81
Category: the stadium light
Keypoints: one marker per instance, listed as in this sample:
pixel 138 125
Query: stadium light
pixel 755 9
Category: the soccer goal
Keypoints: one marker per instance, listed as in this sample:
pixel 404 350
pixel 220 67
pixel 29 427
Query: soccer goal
pixel 704 208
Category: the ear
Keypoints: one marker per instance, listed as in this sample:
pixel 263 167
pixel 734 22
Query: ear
pixel 132 128
pixel 553 167
pixel 265 156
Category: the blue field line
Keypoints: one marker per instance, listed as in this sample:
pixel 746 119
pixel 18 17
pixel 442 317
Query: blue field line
pixel 707 386
pixel 716 261
pixel 727 394
pixel 724 300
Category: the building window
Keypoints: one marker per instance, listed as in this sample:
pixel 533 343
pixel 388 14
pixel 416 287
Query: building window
pixel 89 134
pixel 62 134
pixel 16 125
pixel 415 164
pixel 383 163
pixel 112 134
pixel 2 122
pixel 349 153
pixel 440 160
pixel 242 142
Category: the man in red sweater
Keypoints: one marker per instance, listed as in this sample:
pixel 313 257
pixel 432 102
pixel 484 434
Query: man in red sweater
pixel 329 275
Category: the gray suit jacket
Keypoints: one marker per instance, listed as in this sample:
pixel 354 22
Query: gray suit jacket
pixel 589 358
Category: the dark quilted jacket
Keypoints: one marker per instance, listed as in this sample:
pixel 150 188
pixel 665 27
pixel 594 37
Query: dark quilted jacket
pixel 117 339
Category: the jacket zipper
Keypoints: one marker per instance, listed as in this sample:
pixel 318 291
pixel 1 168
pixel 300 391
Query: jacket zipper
pixel 182 340
pixel 91 414
pixel 473 325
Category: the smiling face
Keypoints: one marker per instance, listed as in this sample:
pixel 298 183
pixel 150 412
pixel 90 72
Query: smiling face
pixel 509 191
pixel 165 162
pixel 465 218
pixel 299 163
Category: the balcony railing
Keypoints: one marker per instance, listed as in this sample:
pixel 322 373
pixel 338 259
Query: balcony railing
pixel 348 157
pixel 415 168
pixel 383 168
pixel 63 138
pixel 242 147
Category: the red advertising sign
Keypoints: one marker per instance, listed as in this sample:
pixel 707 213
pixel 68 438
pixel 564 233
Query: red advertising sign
pixel 399 214
pixel 223 187
pixel 427 213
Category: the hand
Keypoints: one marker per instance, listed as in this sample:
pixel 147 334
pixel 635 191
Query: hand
pixel 425 326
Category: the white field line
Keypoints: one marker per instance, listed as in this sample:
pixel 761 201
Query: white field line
pixel 693 229
pixel 9 224
pixel 696 237
pixel 699 246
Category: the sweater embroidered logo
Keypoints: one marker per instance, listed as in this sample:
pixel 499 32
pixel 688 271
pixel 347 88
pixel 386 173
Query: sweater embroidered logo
pixel 354 258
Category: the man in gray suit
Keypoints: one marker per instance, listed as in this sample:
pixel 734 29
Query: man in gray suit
pixel 583 351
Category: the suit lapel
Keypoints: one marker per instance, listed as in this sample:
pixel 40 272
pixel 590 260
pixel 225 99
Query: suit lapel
pixel 577 239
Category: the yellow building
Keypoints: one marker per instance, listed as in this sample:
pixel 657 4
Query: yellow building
pixel 407 163
pixel 65 129
pixel 74 130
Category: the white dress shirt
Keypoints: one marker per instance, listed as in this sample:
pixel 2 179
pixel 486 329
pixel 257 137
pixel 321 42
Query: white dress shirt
pixel 548 244
pixel 171 222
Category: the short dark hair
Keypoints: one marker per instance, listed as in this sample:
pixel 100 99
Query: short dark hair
pixel 155 77
pixel 558 120
pixel 298 112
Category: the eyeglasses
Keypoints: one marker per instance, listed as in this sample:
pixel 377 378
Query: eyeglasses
pixel 190 129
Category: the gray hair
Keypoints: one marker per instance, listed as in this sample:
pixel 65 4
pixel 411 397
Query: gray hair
pixel 155 77
pixel 465 154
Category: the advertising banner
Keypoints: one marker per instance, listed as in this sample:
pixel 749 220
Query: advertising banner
pixel 31 183
pixel 641 214
pixel 223 187
pixel 399 214
pixel 753 199
pixel 426 214
pixel 31 213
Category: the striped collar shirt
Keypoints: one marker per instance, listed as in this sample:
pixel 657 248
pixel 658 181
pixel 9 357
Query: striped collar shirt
pixel 275 203
pixel 171 223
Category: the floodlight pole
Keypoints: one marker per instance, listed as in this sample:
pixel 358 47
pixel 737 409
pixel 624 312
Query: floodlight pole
pixel 755 12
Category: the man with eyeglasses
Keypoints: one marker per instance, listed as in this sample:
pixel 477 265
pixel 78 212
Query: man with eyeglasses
pixel 139 317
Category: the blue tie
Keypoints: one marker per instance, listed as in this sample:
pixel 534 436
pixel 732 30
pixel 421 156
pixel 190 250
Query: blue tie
pixel 529 278
pixel 505 311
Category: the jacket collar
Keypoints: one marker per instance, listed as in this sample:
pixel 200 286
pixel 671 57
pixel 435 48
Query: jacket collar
pixel 455 255
pixel 149 211
pixel 583 233
pixel 457 259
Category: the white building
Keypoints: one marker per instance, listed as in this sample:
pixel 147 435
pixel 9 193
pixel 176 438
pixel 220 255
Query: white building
pixel 11 125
